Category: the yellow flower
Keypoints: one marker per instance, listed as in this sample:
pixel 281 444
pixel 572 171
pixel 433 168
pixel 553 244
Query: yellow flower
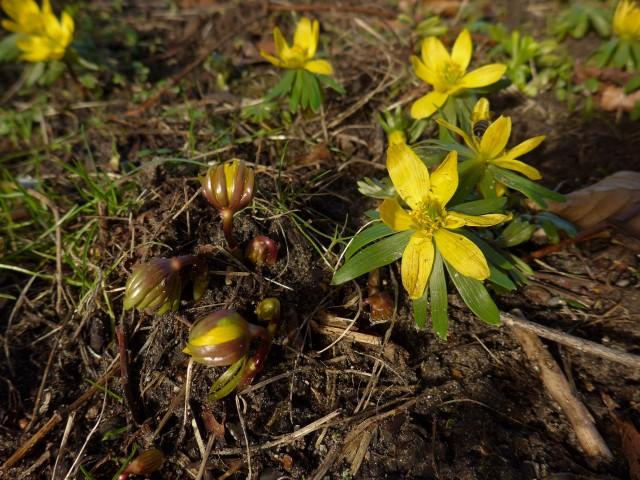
pixel 427 196
pixel 300 55
pixel 626 20
pixel 41 36
pixel 489 149
pixel 448 73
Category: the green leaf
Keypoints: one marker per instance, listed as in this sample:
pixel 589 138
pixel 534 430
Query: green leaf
pixel 481 207
pixel 518 231
pixel 633 84
pixel 420 309
pixel 498 277
pixel 551 231
pixel 307 78
pixel 296 92
pixel 439 301
pixel 331 83
pixel 490 253
pixel 316 94
pixel 559 222
pixel 535 192
pixel 229 380
pixel 370 234
pixel 9 51
pixel 475 296
pixel 382 253
pixel 283 87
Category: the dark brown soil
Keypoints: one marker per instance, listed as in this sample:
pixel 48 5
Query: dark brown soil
pixel 396 403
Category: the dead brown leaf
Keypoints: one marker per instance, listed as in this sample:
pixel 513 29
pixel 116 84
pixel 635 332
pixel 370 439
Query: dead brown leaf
pixel 613 99
pixel 630 438
pixel 615 198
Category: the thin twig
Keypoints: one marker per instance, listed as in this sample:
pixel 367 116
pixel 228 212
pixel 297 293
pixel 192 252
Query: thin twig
pixel 559 389
pixel 516 318
pixel 132 400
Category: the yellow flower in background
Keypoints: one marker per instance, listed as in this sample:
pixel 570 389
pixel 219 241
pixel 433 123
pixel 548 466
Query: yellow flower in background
pixel 490 148
pixel 427 196
pixel 300 55
pixel 626 20
pixel 41 36
pixel 447 73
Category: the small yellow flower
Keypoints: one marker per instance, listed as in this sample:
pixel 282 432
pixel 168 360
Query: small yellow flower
pixel 300 55
pixel 448 73
pixel 490 148
pixel 41 36
pixel 427 196
pixel 626 20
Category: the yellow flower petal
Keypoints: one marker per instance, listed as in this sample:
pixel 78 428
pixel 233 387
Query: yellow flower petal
pixel 270 58
pixel 462 50
pixel 467 139
pixel 321 67
pixel 417 263
pixel 306 37
pixel 462 254
pixel 394 216
pixel 444 180
pixel 282 47
pixel 423 72
pixel 483 76
pixel 408 174
pixel 518 166
pixel 524 147
pixel 434 55
pixel 426 106
pixel 495 138
pixel 481 111
pixel 487 220
pixel 68 24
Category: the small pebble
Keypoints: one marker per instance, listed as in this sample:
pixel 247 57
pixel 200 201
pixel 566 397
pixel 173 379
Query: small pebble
pixel 556 302
pixel 625 282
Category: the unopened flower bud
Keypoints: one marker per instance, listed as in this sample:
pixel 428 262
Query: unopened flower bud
pixel 480 111
pixel 154 286
pixel 146 463
pixel 268 310
pixel 262 251
pixel 229 186
pixel 221 338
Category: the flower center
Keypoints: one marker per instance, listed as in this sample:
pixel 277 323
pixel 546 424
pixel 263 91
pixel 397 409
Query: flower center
pixel 429 215
pixel 452 72
pixel 296 57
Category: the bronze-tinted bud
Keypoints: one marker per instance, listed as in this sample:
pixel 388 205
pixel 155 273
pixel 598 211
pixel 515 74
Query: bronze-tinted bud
pixel 146 463
pixel 154 286
pixel 262 250
pixel 229 186
pixel 221 338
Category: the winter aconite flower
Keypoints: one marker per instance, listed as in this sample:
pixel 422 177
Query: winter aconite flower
pixel 300 54
pixel 447 73
pixel 626 20
pixel 427 196
pixel 490 147
pixel 41 36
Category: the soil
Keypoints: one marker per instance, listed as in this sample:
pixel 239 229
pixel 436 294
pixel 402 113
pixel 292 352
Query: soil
pixel 394 402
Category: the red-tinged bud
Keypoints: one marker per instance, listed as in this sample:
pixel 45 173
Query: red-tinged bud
pixel 262 251
pixel 156 286
pixel 146 463
pixel 221 338
pixel 229 188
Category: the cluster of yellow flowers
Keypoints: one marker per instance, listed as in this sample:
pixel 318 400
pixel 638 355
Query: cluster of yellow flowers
pixel 41 36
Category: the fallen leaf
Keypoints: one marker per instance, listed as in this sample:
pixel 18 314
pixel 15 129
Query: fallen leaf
pixel 630 438
pixel 615 198
pixel 614 99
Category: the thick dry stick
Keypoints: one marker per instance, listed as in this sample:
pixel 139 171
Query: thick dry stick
pixel 132 399
pixel 55 419
pixel 516 319
pixel 559 389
